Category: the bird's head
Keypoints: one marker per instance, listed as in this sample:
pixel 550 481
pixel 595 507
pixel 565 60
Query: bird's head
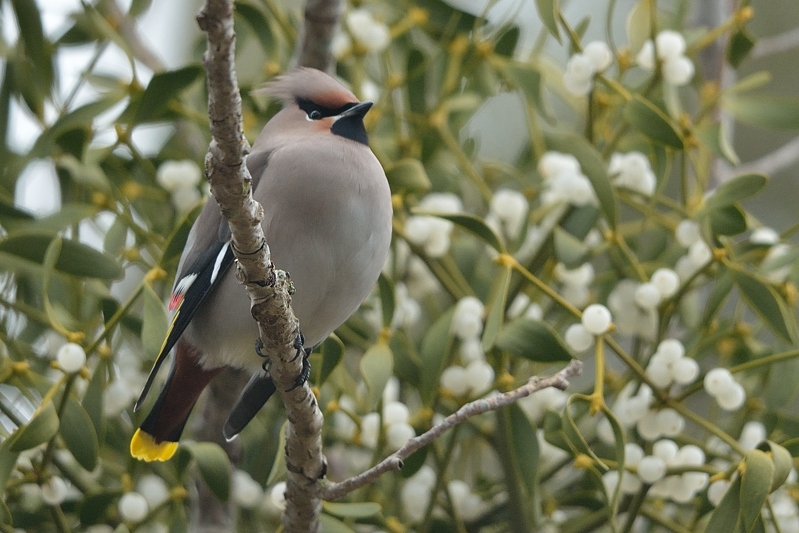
pixel 314 102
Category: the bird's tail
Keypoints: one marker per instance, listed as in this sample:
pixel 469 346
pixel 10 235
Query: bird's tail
pixel 157 438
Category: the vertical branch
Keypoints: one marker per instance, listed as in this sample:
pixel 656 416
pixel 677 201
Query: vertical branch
pixel 267 288
pixel 316 36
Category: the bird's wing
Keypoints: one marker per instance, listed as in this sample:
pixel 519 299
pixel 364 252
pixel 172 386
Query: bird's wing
pixel 190 290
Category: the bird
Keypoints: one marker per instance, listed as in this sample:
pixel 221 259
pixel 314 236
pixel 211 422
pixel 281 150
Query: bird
pixel 327 221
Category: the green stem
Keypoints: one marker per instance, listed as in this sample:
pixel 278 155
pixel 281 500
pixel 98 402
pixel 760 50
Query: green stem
pixel 466 164
pixel 543 287
pixel 635 508
pixel 706 425
pixel 743 367
pixel 59 519
pixel 663 521
pixel 116 317
pixel 443 464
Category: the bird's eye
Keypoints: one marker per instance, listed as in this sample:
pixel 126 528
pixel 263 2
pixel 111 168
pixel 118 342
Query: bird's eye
pixel 315 115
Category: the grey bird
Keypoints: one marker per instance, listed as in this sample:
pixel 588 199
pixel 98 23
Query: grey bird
pixel 327 221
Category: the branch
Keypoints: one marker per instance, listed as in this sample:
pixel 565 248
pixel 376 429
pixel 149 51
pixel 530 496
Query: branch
pixel 321 21
pixel 782 42
pixel 267 288
pixel 394 461
pixel 771 163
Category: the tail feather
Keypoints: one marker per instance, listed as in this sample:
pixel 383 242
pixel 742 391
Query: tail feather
pixel 257 392
pixel 158 436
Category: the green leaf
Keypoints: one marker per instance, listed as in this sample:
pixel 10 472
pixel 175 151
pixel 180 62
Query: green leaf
pixel 8 211
pixel 214 466
pixel 414 463
pixel 645 117
pixel 387 300
pixel 523 447
pixel 571 430
pixel 768 111
pixel 408 176
pixel 162 89
pixel 755 485
pixel 177 239
pixel 352 510
pixel 41 428
pixel 619 444
pixel 534 340
pixel 735 190
pixel 444 19
pixel 84 173
pixel 548 11
pixel 721 290
pixel 783 462
pixel 527 78
pixel 729 220
pixel 569 250
pixel 278 471
pixel 81 117
pixel 68 215
pixel 75 258
pixel 714 136
pixel 5 514
pixel 93 507
pixel 496 308
pixel 8 461
pixel 334 525
pixel 377 366
pixel 592 166
pixel 416 81
pixel 765 302
pixel 506 44
pixel 254 17
pixel 79 435
pixel 472 224
pixel 36 46
pixel 115 237
pixel 155 323
pixel 434 353
pixel 782 385
pixel 741 43
pixel 639 25
pixel 725 517
pixel 332 353
pixel 93 398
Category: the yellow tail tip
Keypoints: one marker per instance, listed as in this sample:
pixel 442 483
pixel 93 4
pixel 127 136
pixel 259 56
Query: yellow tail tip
pixel 144 447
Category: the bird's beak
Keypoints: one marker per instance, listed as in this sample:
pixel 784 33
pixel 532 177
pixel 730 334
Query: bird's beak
pixel 358 110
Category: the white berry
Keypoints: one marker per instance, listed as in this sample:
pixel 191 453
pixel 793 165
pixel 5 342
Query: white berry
pixel 71 357
pixel 597 319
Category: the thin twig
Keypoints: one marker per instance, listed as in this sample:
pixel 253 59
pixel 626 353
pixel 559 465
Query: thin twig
pixel 771 163
pixel 782 42
pixel 267 288
pixel 395 460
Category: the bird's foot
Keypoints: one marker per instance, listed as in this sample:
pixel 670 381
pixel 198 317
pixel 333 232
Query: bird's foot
pixel 305 372
pixel 259 345
pixel 298 345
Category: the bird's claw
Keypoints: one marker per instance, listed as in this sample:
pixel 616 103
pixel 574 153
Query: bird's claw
pixel 259 345
pixel 298 345
pixel 304 373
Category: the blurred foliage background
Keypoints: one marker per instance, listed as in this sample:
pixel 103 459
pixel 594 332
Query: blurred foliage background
pixel 542 162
